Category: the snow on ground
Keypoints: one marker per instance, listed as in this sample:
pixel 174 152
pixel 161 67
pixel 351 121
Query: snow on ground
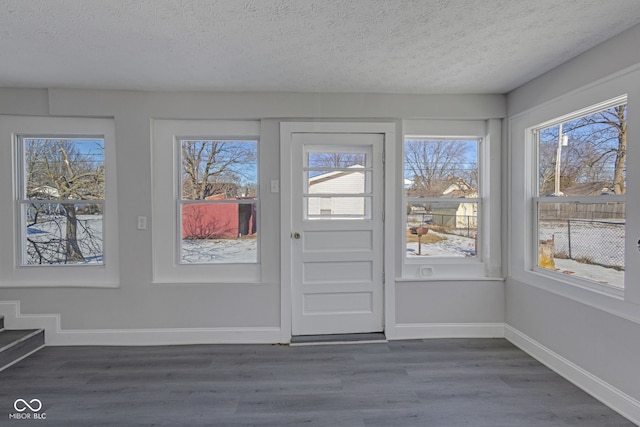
pixel 89 239
pixel 451 246
pixel 590 271
pixel 459 246
pixel 600 241
pixel 207 251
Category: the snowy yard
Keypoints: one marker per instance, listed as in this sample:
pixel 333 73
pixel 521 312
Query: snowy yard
pixel 601 243
pixel 49 237
pixel 590 271
pixel 205 251
pixel 451 245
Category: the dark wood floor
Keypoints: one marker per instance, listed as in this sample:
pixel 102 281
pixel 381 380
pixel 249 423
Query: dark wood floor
pixel 451 382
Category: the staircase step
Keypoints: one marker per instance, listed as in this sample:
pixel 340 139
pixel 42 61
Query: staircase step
pixel 15 345
pixel 1 322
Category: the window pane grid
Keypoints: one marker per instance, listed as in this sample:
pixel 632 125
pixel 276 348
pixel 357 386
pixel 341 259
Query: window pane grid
pixel 441 193
pixel 579 210
pixel 218 203
pixel 61 200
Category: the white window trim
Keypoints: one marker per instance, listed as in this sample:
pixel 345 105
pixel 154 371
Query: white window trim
pixel 13 274
pixel 165 230
pixel 532 132
pixel 487 263
pixel 521 163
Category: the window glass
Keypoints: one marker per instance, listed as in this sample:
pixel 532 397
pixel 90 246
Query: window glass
pixel 441 194
pixel 337 183
pixel 218 203
pixel 581 204
pixel 584 156
pixel 62 200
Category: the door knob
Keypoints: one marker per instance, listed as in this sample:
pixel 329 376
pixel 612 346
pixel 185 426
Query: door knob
pixel 296 235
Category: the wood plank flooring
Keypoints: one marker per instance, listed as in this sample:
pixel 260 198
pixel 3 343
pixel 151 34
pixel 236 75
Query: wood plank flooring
pixel 440 382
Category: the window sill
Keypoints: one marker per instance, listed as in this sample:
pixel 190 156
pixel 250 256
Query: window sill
pixel 579 283
pixel 468 278
pixel 594 296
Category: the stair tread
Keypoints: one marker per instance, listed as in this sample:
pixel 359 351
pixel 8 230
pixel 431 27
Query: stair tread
pixel 7 337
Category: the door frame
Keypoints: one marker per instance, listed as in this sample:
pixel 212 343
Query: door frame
pixel 388 129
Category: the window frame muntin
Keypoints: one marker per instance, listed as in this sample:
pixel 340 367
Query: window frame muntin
pixel 478 259
pixel 58 276
pixel 21 199
pixel 180 202
pixel 165 167
pixel 532 138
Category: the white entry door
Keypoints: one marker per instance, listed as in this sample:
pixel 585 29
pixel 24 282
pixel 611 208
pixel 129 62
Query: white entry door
pixel 337 232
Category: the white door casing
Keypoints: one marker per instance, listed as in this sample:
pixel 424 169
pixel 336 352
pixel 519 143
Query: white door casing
pixel 335 248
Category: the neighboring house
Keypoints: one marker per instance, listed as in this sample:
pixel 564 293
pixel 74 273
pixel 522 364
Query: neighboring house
pixel 44 192
pixel 338 183
pixel 218 220
pixel 454 212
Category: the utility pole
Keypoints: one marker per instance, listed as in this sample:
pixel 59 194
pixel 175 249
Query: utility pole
pixel 562 140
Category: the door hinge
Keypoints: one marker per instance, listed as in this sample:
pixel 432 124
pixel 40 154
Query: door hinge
pixel 382 216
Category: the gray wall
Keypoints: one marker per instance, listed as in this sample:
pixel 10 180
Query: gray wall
pixel 600 334
pixel 140 304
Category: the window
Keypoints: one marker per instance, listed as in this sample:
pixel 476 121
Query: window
pixel 207 203
pixel 338 183
pixel 61 200
pixel 219 201
pixel 450 200
pixel 580 192
pixel 64 210
pixel 442 197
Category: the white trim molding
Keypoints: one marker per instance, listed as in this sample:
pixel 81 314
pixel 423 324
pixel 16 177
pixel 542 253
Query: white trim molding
pixel 409 331
pixel 616 399
pixel 56 336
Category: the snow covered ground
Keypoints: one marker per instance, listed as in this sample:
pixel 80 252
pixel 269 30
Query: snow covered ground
pixel 600 241
pixel 207 251
pixel 246 250
pixel 52 234
pixel 590 271
pixel 458 246
pixel 450 246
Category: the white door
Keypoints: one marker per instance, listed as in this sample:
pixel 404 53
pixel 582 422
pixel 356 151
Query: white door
pixel 337 232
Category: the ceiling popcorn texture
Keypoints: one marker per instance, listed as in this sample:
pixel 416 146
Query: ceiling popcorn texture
pixel 378 46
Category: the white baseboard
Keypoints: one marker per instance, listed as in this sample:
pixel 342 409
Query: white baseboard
pixel 56 336
pixel 172 336
pixel 408 331
pixel 616 399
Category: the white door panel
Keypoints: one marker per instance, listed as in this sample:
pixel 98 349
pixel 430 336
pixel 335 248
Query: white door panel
pixel 337 261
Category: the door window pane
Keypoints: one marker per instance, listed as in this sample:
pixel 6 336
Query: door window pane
pixel 338 207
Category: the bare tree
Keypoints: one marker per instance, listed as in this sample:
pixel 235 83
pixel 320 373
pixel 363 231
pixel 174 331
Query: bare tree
pixel 56 170
pixel 607 130
pixel 336 160
pixel 215 167
pixel 436 164
pixel 595 153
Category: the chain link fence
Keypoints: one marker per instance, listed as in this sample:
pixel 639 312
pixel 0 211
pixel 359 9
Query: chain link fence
pixel 591 242
pixel 461 225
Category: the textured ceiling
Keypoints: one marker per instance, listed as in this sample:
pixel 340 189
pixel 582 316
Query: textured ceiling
pixel 386 46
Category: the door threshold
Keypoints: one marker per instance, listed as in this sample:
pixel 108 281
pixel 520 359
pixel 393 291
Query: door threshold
pixel 363 338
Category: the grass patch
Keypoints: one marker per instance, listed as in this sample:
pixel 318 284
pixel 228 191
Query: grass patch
pixel 425 240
